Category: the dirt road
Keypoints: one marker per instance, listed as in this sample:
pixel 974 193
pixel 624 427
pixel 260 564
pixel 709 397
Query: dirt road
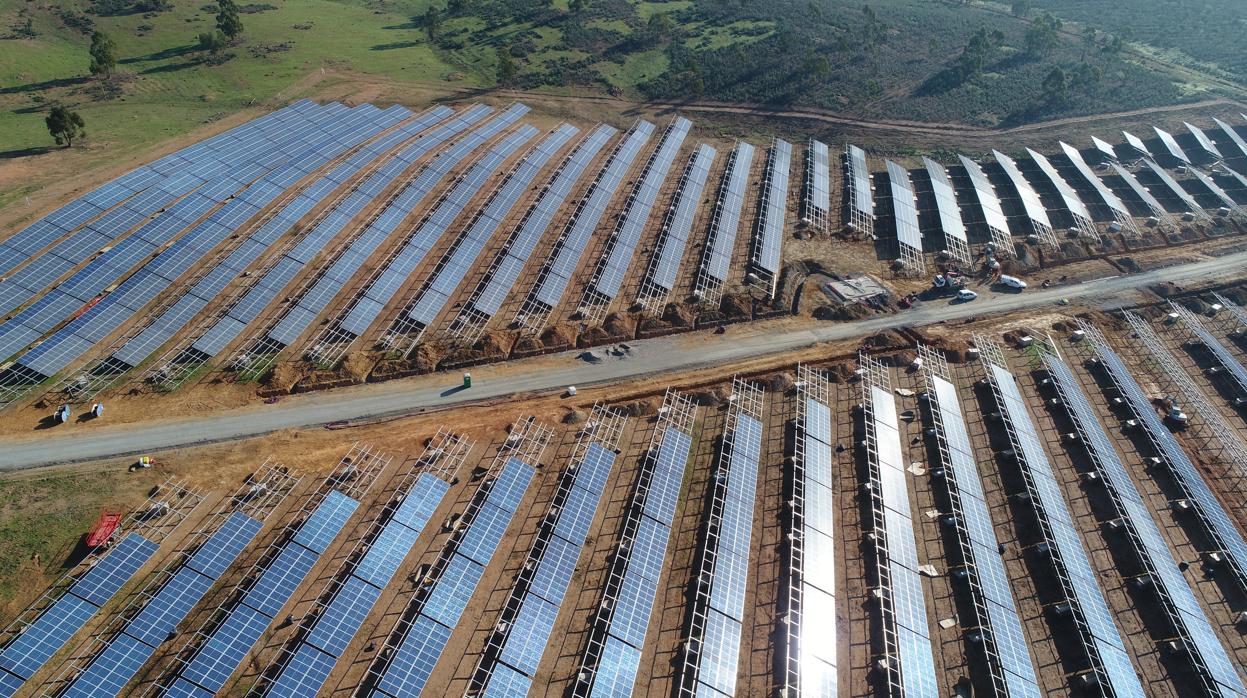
pixel 552 374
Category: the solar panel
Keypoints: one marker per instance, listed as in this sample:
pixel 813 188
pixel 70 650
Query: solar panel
pixel 324 524
pixel 454 588
pixel 818 193
pixel 1171 146
pixel 989 202
pixel 1105 149
pixel 1203 140
pixel 529 635
pixel 720 653
pixel 859 176
pixel 46 636
pixel 385 283
pixel 1137 143
pixel 773 215
pixel 305 674
pixel 414 659
pixel 226 648
pixel 621 247
pixel 1152 548
pixel 1214 346
pixel 1173 186
pixel 673 236
pixel 1107 197
pixel 1213 187
pixel 456 264
pixel 566 257
pixel 1232 136
pixel 617 669
pixel 1137 187
pixel 112 669
pixel 1034 208
pixel 951 224
pixel 1069 555
pixel 717 260
pixel 341 618
pixel 1069 197
pixel 904 209
pixel 507 683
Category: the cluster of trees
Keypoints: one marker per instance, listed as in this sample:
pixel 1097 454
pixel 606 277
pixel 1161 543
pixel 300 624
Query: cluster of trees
pixel 228 28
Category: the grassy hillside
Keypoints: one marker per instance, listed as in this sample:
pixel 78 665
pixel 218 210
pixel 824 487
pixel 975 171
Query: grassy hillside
pixel 900 59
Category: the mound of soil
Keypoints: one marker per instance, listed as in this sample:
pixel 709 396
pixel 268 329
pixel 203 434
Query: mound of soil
pixel 678 315
pixel 426 358
pixel 559 335
pixel 641 408
pixel 620 325
pixel 286 374
pixel 592 337
pixel 737 306
pixel 888 340
pixel 357 365
pixel 527 344
pixel 574 417
pixel 495 343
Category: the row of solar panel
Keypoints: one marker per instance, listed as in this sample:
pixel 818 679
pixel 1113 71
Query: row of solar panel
pixel 621 247
pixel 308 664
pixel 422 639
pixel 678 223
pixel 772 217
pixel 288 563
pixel 459 261
pixel 551 562
pixel 727 214
pixel 1069 555
pixel 817 657
pixel 387 281
pixel 1002 623
pixel 818 199
pixel 571 246
pixel 1189 617
pixel 520 247
pixel 125 302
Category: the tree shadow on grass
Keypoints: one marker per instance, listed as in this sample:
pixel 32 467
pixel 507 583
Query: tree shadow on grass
pixel 172 52
pixel 45 85
pixel 394 45
pixel 171 67
pixel 24 152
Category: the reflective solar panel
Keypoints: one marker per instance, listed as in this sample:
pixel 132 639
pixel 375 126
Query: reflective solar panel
pixel 305 674
pixel 223 652
pixel 1137 187
pixel 820 177
pixel 904 207
pixel 773 215
pixel 326 522
pixel 1232 136
pixel 529 634
pixel 673 237
pixel 726 222
pixel 505 682
pixel 1031 203
pixel 945 201
pixel 720 653
pixel 1171 145
pixel 1203 140
pixel 169 607
pixel 1172 185
pixel 1107 196
pixel 224 545
pixel 988 200
pixel 413 661
pixel 105 579
pixel 279 580
pixel 109 673
pixel 616 673
pixel 1213 187
pixel 1068 196
pixel 46 635
pixel 453 590
pixel 859 175
pixel 342 618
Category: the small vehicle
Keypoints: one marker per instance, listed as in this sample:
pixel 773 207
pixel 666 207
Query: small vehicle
pixel 966 294
pixel 1012 282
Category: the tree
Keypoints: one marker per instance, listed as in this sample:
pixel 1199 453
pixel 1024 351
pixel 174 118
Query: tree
pixel 456 7
pixel 977 52
pixel 1113 45
pixel 212 41
pixel 578 6
pixel 432 22
pixel 227 19
pixel 1044 34
pixel 65 125
pixel 1056 86
pixel 660 25
pixel 103 54
pixel 506 67
pixel 1021 8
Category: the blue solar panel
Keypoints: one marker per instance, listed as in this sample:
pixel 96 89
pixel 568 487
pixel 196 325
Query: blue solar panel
pixel 169 606
pixel 595 468
pixel 482 537
pixel 304 676
pixel 505 682
pixel 453 590
pixel 717 258
pixel 326 522
pixel 224 651
pixel 529 635
pixel 9 684
pixel 414 660
pixel 385 554
pixel 720 653
pixel 616 671
pixel 633 607
pixel 511 484
pixel 223 547
pixel 109 574
pixel 577 514
pixel 418 506
pixel 342 618
pixel 47 635
pixel 109 672
pixel 182 688
pixel 554 573
pixel 664 491
pixel 279 580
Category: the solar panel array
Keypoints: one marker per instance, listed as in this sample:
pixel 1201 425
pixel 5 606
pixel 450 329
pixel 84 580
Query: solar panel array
pixel 201 192
pixel 1070 199
pixel 1214 346
pixel 811 612
pixel 271 282
pixel 43 638
pixel 509 664
pixel 989 204
pixel 1215 521
pixel 817 200
pixel 954 228
pixel 521 246
pixel 44 232
pixel 716 261
pixel 1157 209
pixel 1171 146
pixel 712 651
pixel 617 631
pixel 1173 186
pixel 1105 148
pixel 1078 578
pixel 664 266
pixel 310 661
pixel 391 276
pixel 565 258
pixel 459 261
pixel 905 214
pixel 341 271
pixel 229 157
pixel 1013 673
pixel 289 562
pixel 1034 208
pixel 422 639
pixel 1137 143
pixel 621 247
pixel 1203 140
pixel 1107 196
pixel 1210 658
pixel 1232 136
pixel 773 213
pixel 861 202
pixel 1227 200
pixel 910 662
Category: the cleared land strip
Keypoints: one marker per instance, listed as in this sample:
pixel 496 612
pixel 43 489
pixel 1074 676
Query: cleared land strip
pixel 647 358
